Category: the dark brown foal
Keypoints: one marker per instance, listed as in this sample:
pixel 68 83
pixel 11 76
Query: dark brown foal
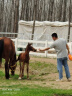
pixel 24 57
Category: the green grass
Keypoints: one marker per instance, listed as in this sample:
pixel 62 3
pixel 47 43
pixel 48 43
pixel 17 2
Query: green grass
pixel 20 90
pixel 43 68
pixel 15 87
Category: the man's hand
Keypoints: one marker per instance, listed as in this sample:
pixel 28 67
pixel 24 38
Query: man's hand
pixel 43 49
pixel 39 49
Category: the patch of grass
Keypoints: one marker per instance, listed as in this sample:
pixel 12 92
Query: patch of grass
pixel 43 68
pixel 1 74
pixel 62 95
pixel 15 87
pixel 37 69
pixel 20 90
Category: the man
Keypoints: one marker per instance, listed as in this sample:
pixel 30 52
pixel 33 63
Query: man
pixel 60 45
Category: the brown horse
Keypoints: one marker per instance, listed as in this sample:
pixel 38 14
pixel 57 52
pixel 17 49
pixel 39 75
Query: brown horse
pixel 24 57
pixel 7 51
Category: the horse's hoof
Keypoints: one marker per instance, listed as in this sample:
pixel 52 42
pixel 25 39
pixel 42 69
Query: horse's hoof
pixel 19 78
pixel 28 79
pixel 9 78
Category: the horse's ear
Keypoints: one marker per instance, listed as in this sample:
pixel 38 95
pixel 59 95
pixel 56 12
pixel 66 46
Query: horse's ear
pixel 29 43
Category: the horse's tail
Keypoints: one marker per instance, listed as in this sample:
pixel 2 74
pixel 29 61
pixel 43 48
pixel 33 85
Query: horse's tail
pixel 1 47
pixel 18 58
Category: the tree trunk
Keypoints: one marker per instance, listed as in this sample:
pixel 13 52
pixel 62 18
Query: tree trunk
pixel 34 20
pixel 69 21
pixel 16 16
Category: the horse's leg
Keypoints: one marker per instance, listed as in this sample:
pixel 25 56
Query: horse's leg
pixel 27 70
pixel 0 62
pixel 20 68
pixel 6 70
pixel 23 69
pixel 9 63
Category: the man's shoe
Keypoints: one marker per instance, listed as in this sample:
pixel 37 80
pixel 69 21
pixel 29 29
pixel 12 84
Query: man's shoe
pixel 69 79
pixel 59 80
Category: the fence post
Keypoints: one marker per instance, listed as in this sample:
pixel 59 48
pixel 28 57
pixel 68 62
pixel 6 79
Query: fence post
pixel 46 45
pixel 16 43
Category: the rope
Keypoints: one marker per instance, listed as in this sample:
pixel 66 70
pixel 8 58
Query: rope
pixel 12 67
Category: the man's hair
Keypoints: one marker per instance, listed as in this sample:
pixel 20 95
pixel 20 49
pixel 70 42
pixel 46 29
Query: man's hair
pixel 54 35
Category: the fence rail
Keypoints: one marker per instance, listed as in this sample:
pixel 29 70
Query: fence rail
pixel 20 43
pixel 14 35
pixel 45 54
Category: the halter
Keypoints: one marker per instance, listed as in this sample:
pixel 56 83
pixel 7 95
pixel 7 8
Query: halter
pixel 13 66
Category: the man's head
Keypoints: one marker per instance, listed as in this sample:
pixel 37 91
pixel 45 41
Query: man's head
pixel 54 36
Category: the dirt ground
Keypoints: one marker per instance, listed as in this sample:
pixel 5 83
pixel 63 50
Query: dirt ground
pixel 50 80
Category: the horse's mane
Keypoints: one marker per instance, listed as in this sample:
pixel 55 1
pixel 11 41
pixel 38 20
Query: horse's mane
pixel 13 49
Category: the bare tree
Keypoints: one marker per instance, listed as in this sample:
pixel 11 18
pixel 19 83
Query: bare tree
pixel 11 11
pixel 34 19
pixel 69 21
pixel 16 15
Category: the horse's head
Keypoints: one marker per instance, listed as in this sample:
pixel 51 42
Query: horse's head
pixel 13 65
pixel 31 48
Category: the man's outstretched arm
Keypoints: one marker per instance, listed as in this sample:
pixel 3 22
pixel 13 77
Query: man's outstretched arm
pixel 44 49
pixel 52 46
